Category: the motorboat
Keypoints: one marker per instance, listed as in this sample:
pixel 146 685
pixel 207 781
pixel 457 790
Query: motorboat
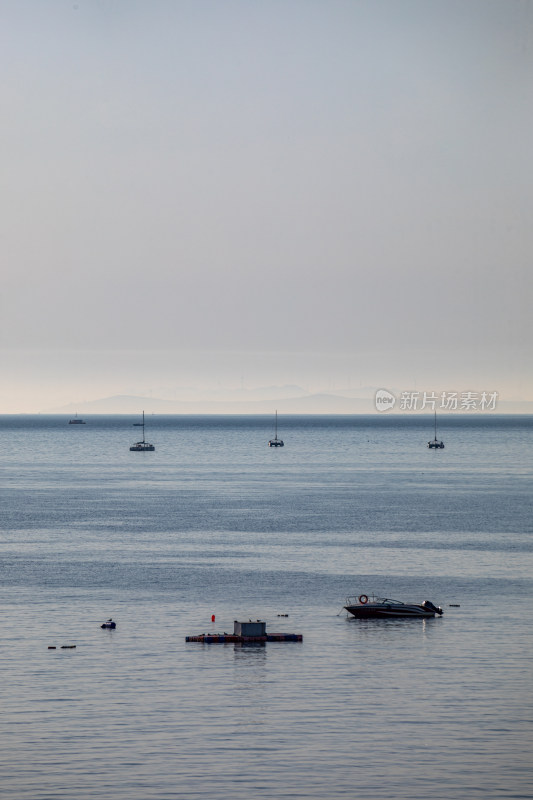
pixel 110 624
pixel 142 446
pixel 275 442
pixel 383 607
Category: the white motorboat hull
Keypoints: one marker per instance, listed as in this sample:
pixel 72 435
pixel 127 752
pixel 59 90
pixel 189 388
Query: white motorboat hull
pixel 381 608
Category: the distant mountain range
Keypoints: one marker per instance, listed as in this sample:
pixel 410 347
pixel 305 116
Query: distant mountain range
pixel 303 404
pixel 260 402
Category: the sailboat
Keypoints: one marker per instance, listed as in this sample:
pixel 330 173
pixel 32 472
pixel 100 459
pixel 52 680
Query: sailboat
pixel 275 442
pixel 435 444
pixel 143 446
pixel 76 420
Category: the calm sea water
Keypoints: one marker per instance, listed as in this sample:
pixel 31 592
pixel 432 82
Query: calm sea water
pixel 216 522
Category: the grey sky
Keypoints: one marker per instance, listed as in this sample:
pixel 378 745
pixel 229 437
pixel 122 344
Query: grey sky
pixel 331 187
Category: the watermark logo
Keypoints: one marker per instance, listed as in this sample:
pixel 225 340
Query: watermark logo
pixel 384 400
pixel 433 401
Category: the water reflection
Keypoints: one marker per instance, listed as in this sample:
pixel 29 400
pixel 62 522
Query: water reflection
pixel 245 649
pixel 404 625
pixel 250 654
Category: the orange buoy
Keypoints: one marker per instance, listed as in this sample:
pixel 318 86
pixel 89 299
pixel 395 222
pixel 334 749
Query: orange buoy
pixel 212 617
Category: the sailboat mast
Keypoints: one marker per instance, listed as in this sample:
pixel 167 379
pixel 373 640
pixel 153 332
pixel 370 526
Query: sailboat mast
pixel 276 426
pixel 143 427
pixel 435 425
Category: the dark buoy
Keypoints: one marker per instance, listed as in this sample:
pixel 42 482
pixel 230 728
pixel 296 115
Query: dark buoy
pixel 109 624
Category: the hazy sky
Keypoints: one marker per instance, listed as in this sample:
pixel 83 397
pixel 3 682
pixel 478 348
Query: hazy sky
pixel 224 193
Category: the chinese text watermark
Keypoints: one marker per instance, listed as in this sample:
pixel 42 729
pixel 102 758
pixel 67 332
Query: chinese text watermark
pixel 434 401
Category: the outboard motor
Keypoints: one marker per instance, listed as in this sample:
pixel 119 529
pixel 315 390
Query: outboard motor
pixel 428 605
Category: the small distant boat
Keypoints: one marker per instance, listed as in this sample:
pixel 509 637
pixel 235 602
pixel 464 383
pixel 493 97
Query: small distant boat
pixel 275 442
pixel 76 420
pixel 109 624
pixel 383 607
pixel 435 444
pixel 143 446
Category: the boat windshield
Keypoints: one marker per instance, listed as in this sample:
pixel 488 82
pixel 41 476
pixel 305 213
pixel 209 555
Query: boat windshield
pixel 354 600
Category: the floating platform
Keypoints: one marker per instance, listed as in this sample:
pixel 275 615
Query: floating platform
pixel 245 633
pixel 230 638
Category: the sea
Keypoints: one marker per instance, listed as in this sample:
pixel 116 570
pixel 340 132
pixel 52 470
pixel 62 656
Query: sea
pixel 214 523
